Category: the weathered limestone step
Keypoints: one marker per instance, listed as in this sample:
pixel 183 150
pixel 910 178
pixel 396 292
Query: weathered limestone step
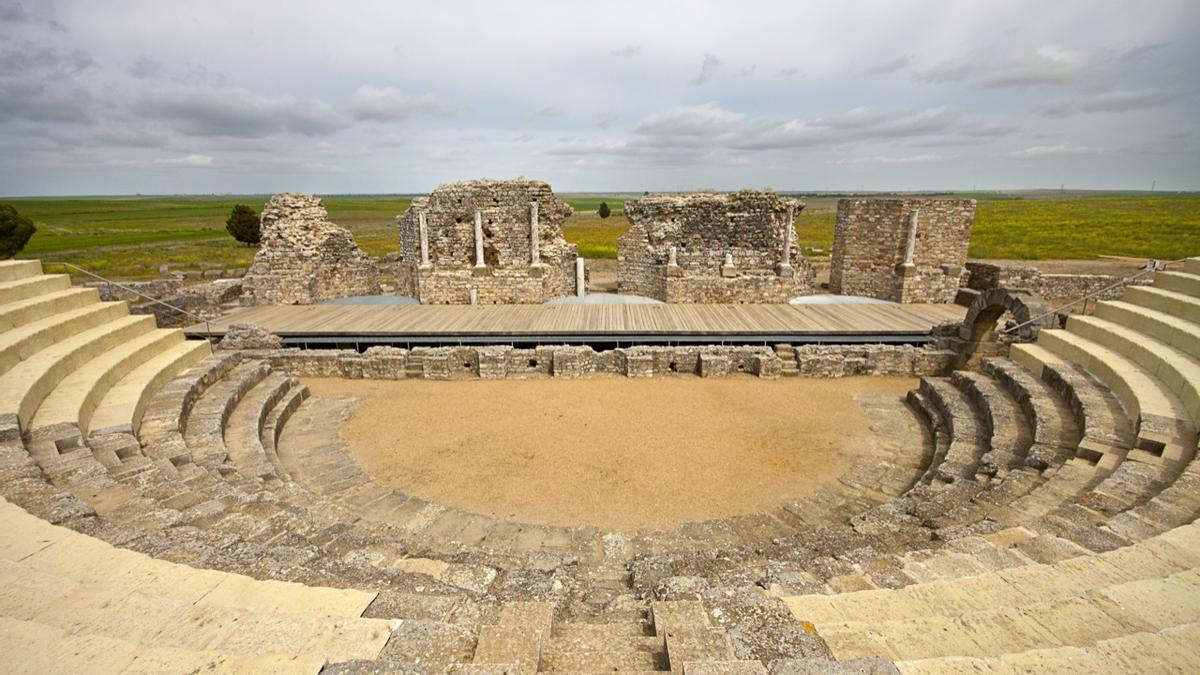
pixel 76 396
pixel 1192 265
pixel 1107 431
pixel 23 387
pixel 960 419
pixel 573 654
pixel 13 270
pixel 243 431
pixel 1177 332
pixel 122 408
pixel 1174 303
pixel 23 342
pixel 205 423
pixel 165 418
pixel 1181 282
pixel 29 287
pixel 17 314
pixel 1163 423
pixel 1176 368
pixel 273 427
pixel 1171 553
pixel 1055 431
pixel 1004 424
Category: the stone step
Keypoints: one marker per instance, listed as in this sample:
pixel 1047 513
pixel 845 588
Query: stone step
pixel 76 396
pixel 1162 421
pixel 1182 282
pixel 1004 424
pixel 1055 431
pixel 1107 431
pixel 21 312
pixel 121 409
pixel 23 342
pixel 961 421
pixel 572 654
pixel 1177 332
pixel 30 287
pixel 1174 303
pixel 23 388
pixel 1176 368
pixel 1192 265
pixel 13 270
pixel 243 431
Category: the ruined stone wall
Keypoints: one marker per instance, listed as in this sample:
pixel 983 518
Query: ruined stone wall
pixel 304 258
pixel 567 361
pixel 703 229
pixel 1054 289
pixel 871 239
pixel 508 275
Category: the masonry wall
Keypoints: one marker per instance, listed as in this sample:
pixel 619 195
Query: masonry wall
pixel 304 258
pixel 703 228
pixel 566 361
pixel 1054 289
pixel 871 238
pixel 508 275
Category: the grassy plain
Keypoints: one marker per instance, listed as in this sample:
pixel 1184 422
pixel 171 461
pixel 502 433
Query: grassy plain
pixel 130 237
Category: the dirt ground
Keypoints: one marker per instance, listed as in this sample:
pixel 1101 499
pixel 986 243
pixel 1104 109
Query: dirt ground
pixel 614 453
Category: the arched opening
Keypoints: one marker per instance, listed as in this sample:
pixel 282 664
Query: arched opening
pixel 987 328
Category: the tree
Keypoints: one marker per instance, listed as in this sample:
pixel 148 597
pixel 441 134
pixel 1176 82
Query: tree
pixel 15 231
pixel 243 224
pixel 603 210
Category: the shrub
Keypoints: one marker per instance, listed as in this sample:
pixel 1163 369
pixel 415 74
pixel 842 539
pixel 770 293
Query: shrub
pixel 15 231
pixel 243 224
pixel 603 211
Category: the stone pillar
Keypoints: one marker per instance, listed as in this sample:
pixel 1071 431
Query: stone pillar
pixel 728 270
pixel 580 277
pixel 535 256
pixel 910 247
pixel 424 230
pixel 785 265
pixel 672 257
pixel 474 296
pixel 479 239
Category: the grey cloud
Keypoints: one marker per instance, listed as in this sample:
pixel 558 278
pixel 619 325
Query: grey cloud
pixel 15 12
pixel 747 71
pixel 28 60
pixel 211 111
pixel 1042 66
pixel 1049 150
pixel 388 104
pixel 708 68
pixel 606 120
pixel 547 112
pixel 1117 101
pixel 626 52
pixel 790 71
pixel 145 67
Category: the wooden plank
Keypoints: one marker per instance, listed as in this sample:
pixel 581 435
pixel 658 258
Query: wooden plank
pixel 400 320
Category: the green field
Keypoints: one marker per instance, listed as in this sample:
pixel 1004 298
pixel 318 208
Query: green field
pixel 130 237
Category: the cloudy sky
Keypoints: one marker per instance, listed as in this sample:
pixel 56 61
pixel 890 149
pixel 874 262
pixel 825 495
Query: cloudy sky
pixel 124 96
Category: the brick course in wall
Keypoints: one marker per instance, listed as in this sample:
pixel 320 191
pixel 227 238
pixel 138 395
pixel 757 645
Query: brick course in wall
pixel 871 240
pixel 704 229
pixel 508 275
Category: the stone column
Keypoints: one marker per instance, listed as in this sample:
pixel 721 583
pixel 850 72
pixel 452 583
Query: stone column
pixel 580 277
pixel 479 239
pixel 474 294
pixel 424 231
pixel 672 257
pixel 785 265
pixel 535 256
pixel 728 270
pixel 910 247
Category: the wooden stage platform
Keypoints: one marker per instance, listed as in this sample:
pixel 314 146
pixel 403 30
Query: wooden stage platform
pixel 591 324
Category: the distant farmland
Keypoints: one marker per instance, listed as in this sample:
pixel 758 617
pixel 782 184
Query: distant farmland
pixel 130 237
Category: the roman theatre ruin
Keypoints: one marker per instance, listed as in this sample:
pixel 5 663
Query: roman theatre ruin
pixel 448 461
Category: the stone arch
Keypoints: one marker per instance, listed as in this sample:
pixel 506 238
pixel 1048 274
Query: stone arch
pixel 979 332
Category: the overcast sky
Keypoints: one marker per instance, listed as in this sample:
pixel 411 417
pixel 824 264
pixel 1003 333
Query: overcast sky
pixel 121 97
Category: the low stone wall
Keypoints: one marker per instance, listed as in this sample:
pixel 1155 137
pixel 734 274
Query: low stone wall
pixel 1055 289
pixel 566 361
pixel 208 300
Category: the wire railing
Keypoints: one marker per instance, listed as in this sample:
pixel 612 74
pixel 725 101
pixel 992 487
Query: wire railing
pixel 197 317
pixel 1151 266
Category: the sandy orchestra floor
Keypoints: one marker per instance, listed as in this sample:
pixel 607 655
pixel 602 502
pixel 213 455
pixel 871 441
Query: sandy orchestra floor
pixel 612 452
